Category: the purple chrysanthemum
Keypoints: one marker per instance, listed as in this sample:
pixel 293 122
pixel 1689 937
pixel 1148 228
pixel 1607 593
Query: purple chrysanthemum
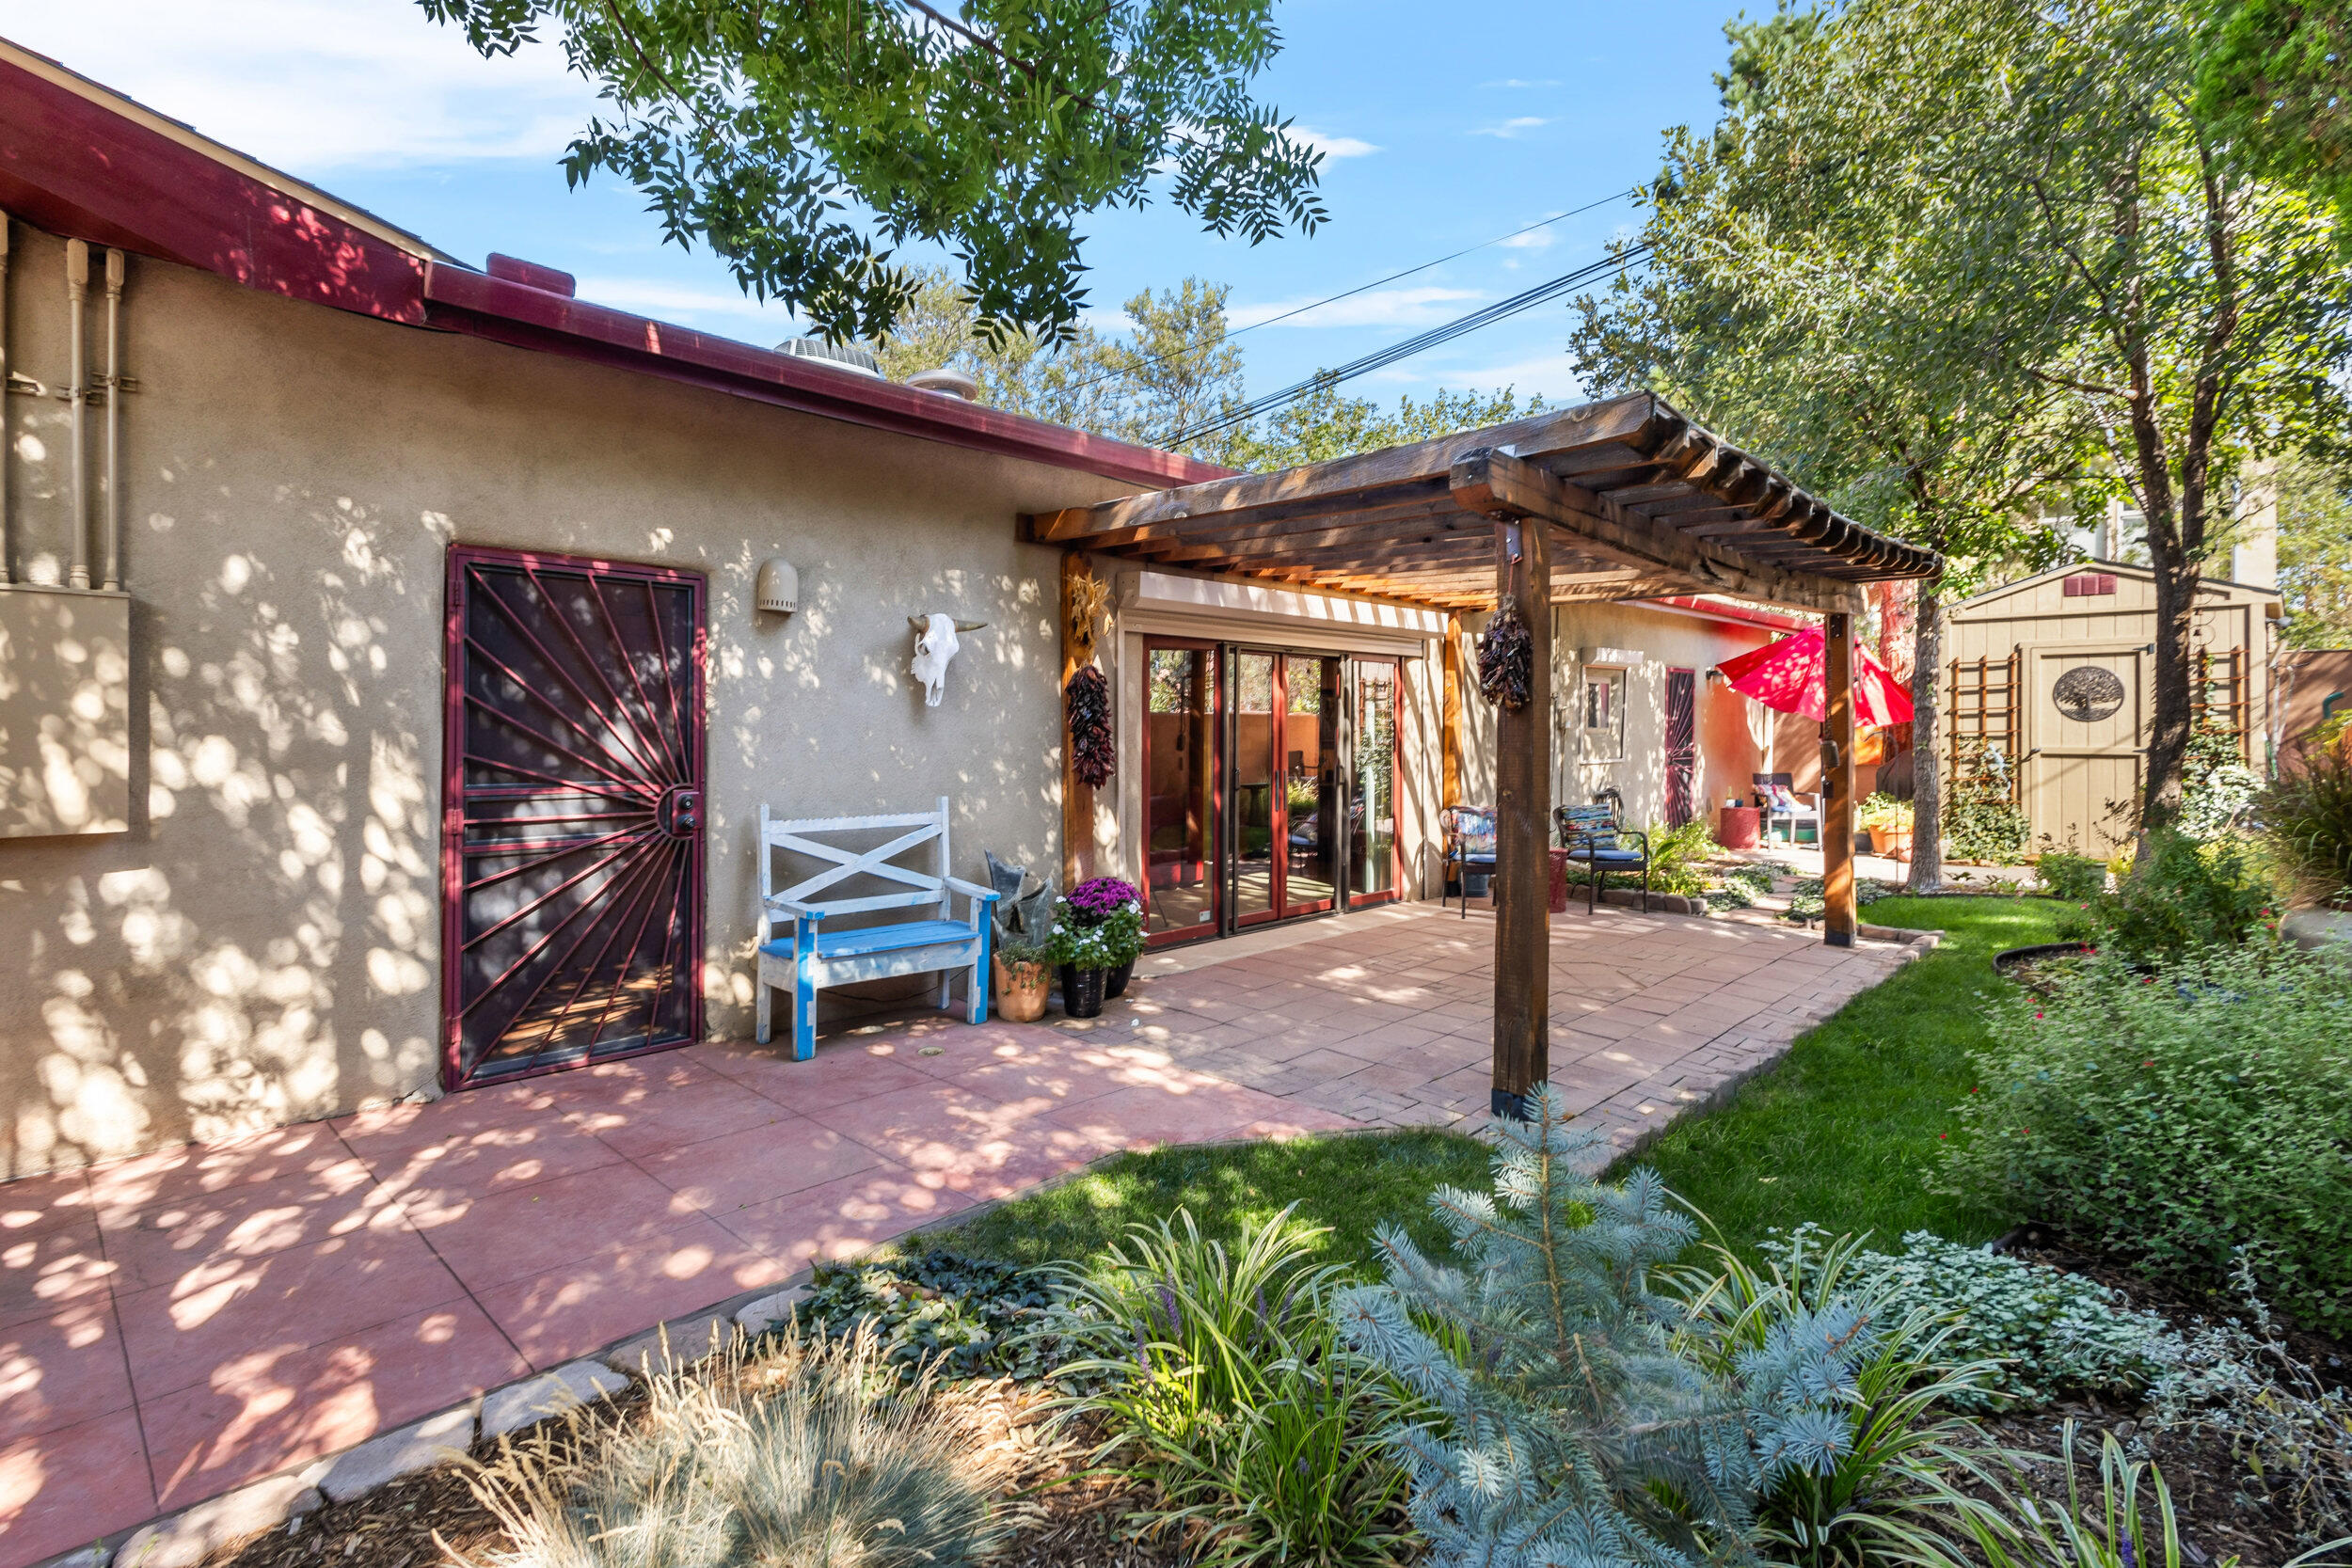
pixel 1093 902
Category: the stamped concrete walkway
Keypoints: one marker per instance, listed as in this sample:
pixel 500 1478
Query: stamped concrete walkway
pixel 174 1326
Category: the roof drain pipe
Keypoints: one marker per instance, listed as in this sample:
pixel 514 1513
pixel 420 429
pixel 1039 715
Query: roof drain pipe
pixel 114 420
pixel 77 391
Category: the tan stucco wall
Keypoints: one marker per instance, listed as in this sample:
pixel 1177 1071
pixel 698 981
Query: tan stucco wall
pixel 1734 734
pixel 261 945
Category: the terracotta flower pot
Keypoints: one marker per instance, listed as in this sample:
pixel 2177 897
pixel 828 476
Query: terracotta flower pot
pixel 1894 842
pixel 1021 989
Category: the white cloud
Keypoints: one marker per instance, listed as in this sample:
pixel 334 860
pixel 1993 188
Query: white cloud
pixel 1423 306
pixel 1513 83
pixel 1333 148
pixel 1510 130
pixel 1535 239
pixel 315 86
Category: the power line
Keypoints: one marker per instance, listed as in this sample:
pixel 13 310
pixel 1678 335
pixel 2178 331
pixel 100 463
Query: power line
pixel 1361 288
pixel 1460 326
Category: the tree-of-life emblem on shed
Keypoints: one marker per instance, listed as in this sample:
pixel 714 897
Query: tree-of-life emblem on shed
pixel 2087 694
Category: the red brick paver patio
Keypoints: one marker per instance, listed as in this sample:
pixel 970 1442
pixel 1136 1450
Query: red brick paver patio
pixel 174 1326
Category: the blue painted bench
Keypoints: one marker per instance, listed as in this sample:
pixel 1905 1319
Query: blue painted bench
pixel 808 959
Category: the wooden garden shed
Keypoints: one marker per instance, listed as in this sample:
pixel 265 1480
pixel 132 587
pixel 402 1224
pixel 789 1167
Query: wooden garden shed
pixel 2049 689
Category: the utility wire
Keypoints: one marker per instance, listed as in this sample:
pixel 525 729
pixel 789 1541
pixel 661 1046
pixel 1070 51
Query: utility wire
pixel 1361 288
pixel 1461 325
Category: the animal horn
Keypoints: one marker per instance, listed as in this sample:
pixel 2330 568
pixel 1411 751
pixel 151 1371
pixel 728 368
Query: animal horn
pixel 970 625
pixel 920 623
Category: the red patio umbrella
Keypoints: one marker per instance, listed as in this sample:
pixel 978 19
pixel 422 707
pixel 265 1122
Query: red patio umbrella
pixel 1787 675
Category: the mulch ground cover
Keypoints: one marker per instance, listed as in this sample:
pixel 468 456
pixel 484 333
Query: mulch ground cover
pixel 2223 1509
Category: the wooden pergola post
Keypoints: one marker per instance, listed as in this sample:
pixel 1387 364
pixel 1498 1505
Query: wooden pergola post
pixel 1837 771
pixel 1522 883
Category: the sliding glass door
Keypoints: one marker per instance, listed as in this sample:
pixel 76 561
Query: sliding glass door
pixel 1371 840
pixel 1179 791
pixel 1269 785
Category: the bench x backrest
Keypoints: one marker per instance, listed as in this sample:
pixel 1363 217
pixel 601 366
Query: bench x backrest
pixel 909 831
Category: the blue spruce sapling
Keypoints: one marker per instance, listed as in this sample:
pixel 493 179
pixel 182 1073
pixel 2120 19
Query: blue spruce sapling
pixel 1573 1435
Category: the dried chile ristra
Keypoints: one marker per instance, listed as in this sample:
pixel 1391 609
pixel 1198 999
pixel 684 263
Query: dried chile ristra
pixel 1088 698
pixel 1506 659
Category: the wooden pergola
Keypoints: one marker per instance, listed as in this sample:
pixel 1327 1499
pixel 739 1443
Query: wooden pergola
pixel 1620 500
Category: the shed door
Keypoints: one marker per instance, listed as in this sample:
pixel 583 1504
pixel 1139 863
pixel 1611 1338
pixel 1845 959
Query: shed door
pixel 572 818
pixel 2086 711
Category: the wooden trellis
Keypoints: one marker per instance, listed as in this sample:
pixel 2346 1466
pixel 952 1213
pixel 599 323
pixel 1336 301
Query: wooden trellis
pixel 1987 713
pixel 2220 702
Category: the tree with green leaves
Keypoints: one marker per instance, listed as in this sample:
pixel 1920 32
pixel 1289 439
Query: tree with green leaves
pixel 1322 424
pixel 2314 493
pixel 805 144
pixel 1172 369
pixel 2126 252
pixel 1790 300
pixel 2275 77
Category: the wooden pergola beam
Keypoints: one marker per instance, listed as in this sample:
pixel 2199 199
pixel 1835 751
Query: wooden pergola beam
pixel 1490 481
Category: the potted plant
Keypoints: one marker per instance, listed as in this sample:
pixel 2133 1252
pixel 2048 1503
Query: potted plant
pixel 1098 935
pixel 1021 957
pixel 1888 822
pixel 1025 972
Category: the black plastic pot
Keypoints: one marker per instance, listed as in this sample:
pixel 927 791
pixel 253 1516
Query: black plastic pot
pixel 1081 991
pixel 1114 980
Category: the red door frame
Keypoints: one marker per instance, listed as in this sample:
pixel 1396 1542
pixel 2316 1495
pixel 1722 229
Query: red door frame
pixel 1396 724
pixel 452 797
pixel 1212 871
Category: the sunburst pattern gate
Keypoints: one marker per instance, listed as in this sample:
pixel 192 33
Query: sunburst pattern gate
pixel 572 843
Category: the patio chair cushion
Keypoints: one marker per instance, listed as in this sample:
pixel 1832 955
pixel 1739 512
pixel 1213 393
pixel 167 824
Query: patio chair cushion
pixel 1607 857
pixel 1587 829
pixel 1469 832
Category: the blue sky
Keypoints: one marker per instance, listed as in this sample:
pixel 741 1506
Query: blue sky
pixel 1447 125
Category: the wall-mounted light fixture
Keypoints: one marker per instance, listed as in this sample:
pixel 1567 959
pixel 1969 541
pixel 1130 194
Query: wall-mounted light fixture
pixel 777 588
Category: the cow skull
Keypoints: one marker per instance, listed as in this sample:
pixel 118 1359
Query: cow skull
pixel 935 645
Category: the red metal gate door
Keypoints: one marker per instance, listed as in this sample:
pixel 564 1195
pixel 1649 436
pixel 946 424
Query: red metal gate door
pixel 572 846
pixel 1682 746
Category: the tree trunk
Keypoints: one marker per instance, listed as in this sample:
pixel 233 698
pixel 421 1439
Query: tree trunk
pixel 2168 731
pixel 1927 783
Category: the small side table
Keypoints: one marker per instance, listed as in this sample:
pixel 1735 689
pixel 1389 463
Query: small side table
pixel 1739 827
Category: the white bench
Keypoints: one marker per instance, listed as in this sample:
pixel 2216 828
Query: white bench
pixel 805 960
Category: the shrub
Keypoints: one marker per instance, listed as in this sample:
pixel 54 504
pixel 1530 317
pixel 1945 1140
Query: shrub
pixel 2217 789
pixel 1895 1444
pixel 2045 1334
pixel 1677 860
pixel 2175 1119
pixel 1220 1381
pixel 2307 813
pixel 1980 820
pixel 786 1457
pixel 2184 896
pixel 1807 900
pixel 2076 879
pixel 959 1317
pixel 1574 1427
pixel 2290 1431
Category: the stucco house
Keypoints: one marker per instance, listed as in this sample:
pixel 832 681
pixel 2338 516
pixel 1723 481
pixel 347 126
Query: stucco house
pixel 321 547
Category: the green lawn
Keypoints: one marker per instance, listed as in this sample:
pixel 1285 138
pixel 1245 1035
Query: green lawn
pixel 1349 1181
pixel 1844 1131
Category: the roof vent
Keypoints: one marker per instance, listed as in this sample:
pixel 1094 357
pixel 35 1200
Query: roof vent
pixel 948 382
pixel 532 276
pixel 845 356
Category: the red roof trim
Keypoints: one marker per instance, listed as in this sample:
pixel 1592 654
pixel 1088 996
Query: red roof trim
pixel 77 159
pixel 76 166
pixel 466 301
